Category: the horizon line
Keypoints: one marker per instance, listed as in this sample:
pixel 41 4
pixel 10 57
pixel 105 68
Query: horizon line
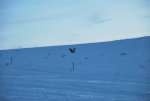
pixel 76 43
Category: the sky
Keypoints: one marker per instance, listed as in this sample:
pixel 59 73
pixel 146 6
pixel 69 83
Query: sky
pixel 38 23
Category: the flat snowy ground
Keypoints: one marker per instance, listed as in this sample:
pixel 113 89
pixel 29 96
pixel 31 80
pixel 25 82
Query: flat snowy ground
pixel 110 71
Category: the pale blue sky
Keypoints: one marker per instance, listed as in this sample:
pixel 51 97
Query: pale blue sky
pixel 31 23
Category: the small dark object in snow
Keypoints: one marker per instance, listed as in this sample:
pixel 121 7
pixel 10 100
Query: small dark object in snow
pixel 123 53
pixel 86 58
pixel 141 66
pixel 11 59
pixel 80 63
pixel 7 64
pixel 117 75
pixel 72 50
pixel 73 66
pixel 63 55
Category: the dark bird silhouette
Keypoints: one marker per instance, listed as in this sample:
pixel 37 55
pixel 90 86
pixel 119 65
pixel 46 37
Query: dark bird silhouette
pixel 72 50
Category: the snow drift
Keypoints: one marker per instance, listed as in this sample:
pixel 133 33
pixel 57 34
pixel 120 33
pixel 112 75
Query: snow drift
pixel 107 71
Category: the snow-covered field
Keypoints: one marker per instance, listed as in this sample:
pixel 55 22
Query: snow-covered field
pixel 109 71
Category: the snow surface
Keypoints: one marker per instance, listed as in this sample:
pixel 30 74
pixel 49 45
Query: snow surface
pixel 108 71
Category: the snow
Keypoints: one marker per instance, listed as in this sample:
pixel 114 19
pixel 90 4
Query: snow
pixel 107 71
